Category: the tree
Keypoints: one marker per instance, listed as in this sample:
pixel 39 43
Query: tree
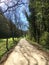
pixel 15 10
pixel 8 29
pixel 9 17
pixel 39 21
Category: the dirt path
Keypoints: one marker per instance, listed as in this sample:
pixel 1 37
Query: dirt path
pixel 26 54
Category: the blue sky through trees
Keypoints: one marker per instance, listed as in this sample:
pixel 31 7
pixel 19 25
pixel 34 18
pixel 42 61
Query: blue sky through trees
pixel 16 10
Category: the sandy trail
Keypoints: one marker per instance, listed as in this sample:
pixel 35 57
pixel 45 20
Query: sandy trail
pixel 26 54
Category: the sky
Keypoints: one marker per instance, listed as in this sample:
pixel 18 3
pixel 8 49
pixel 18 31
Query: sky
pixel 17 14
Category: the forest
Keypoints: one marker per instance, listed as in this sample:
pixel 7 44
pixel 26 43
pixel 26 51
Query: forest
pixel 39 22
pixel 37 25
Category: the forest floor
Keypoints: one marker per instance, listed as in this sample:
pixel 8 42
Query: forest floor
pixel 26 54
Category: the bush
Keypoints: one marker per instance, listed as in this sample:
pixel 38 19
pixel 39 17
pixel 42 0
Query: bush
pixel 47 42
pixel 44 40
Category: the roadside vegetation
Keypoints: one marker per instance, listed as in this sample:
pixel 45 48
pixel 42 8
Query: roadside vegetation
pixel 39 22
pixel 37 33
pixel 3 48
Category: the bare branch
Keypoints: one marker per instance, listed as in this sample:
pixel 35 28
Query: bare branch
pixel 17 4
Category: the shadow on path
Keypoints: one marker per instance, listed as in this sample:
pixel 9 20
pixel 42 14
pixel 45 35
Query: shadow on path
pixel 26 54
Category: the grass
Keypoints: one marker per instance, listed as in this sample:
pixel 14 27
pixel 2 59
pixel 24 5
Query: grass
pixel 3 45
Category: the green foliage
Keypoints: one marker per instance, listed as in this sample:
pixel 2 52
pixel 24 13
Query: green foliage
pixel 47 42
pixel 39 22
pixel 4 27
pixel 3 49
pixel 44 40
pixel 8 29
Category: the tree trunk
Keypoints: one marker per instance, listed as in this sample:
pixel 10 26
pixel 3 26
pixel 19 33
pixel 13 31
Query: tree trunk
pixel 7 44
pixel 13 39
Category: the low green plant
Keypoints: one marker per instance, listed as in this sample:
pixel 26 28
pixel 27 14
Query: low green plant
pixel 3 49
pixel 44 40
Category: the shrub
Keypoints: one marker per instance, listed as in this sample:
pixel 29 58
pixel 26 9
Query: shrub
pixel 44 40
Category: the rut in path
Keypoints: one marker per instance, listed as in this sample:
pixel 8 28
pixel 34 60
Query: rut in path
pixel 26 54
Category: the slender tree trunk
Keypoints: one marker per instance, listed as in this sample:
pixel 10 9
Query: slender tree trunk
pixel 13 39
pixel 7 44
